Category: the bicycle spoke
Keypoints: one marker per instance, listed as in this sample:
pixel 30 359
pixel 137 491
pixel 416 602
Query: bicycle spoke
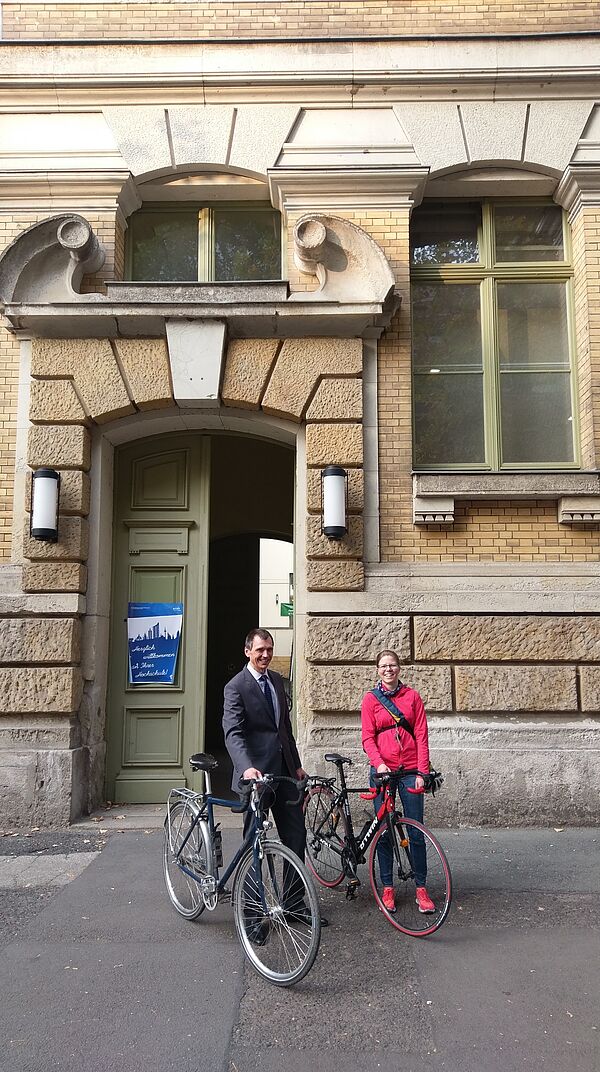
pixel 325 835
pixel 280 941
pixel 182 862
pixel 414 857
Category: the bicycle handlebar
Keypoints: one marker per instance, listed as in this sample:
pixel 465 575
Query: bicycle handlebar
pixel 268 780
pixel 394 777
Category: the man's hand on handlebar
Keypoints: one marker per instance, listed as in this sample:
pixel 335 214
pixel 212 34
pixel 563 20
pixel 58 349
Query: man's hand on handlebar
pixel 251 774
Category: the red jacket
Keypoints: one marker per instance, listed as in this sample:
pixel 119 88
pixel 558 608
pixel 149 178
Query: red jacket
pixel 396 748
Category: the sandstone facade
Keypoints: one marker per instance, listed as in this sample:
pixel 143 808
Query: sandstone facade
pixel 485 582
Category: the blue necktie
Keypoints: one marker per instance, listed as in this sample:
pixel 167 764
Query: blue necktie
pixel 264 684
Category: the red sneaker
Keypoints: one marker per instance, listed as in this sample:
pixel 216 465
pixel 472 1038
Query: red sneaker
pixel 388 898
pixel 424 900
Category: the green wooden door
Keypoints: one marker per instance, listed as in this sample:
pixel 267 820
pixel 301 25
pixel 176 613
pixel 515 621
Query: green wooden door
pixel 160 555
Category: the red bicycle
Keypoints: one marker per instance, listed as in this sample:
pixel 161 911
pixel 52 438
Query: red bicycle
pixel 334 851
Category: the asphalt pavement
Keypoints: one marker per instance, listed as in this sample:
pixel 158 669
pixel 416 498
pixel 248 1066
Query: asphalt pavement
pixel 97 970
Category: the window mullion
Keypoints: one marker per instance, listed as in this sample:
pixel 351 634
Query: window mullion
pixel 205 246
pixel 491 375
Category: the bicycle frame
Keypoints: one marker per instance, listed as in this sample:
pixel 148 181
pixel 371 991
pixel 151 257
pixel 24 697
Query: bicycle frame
pixel 203 806
pixel 358 848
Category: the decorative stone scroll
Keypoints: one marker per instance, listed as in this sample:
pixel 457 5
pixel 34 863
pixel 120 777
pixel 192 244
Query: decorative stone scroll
pixel 48 261
pixel 348 264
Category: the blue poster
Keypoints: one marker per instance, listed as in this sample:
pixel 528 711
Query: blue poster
pixel 153 635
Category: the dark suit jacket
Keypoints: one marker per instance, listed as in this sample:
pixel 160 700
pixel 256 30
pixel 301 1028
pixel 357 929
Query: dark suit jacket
pixel 251 736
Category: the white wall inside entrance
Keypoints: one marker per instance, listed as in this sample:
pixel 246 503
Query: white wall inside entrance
pixel 275 589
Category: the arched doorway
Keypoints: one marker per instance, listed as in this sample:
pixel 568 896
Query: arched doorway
pixel 189 512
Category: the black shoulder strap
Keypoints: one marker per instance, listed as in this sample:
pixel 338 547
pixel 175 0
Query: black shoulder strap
pixel 393 710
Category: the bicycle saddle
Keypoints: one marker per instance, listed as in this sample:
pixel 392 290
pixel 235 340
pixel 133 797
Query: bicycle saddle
pixel 202 761
pixel 333 757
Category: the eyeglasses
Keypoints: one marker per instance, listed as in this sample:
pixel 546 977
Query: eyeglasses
pixel 388 666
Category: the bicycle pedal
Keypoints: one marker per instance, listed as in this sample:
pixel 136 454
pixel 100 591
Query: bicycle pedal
pixel 351 889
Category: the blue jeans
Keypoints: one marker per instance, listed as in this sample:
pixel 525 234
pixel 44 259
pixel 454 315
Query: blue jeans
pixel 412 804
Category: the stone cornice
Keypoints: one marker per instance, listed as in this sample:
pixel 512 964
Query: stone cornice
pixel 312 189
pixel 579 187
pixel 68 190
pixel 44 74
pixel 102 318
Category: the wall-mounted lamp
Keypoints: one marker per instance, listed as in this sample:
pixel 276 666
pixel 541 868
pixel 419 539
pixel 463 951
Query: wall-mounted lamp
pixel 45 492
pixel 334 494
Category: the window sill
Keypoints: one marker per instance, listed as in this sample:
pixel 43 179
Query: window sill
pixel 577 494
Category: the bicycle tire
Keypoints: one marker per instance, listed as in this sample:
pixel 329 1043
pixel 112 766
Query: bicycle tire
pixel 280 945
pixel 407 917
pixel 325 833
pixel 185 891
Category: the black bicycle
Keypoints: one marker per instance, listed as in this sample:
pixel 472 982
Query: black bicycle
pixel 334 851
pixel 275 904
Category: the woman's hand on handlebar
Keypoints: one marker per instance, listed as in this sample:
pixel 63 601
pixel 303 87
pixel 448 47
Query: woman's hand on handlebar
pixel 383 769
pixel 419 785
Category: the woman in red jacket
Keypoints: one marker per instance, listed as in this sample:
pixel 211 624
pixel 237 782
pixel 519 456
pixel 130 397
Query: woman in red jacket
pixel 390 745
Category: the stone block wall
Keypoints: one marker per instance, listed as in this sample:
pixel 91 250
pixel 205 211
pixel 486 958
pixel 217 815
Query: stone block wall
pixel 513 704
pixel 245 19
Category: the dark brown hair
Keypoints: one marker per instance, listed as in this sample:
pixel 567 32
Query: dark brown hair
pixel 263 634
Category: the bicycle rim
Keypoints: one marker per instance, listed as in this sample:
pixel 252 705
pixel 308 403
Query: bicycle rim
pixel 325 834
pixel 408 918
pixel 280 944
pixel 184 889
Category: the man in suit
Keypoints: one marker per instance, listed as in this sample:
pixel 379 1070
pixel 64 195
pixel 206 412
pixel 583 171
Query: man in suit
pixel 259 737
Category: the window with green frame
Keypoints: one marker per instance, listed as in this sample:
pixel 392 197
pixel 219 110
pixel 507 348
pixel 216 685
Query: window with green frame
pixel 188 243
pixel 493 385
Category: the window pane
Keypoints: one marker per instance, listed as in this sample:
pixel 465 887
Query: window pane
pixel 448 414
pixel 529 233
pixel 532 325
pixel 446 327
pixel 537 424
pixel 164 246
pixel 247 244
pixel 445 234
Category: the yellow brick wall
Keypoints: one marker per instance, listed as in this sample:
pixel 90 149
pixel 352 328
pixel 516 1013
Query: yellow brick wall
pixel 291 18
pixel 586 260
pixel 11 225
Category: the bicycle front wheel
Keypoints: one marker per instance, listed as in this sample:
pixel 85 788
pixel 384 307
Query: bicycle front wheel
pixel 277 914
pixel 325 835
pixel 413 850
pixel 185 865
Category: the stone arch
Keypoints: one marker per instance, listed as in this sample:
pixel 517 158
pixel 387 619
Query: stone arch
pixel 152 138
pixel 81 384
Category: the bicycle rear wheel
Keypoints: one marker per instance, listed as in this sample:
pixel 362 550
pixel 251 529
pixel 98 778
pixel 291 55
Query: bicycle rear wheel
pixel 184 868
pixel 277 914
pixel 408 917
pixel 325 835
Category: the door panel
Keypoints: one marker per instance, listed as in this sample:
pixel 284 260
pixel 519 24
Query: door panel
pixel 152 736
pixel 161 526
